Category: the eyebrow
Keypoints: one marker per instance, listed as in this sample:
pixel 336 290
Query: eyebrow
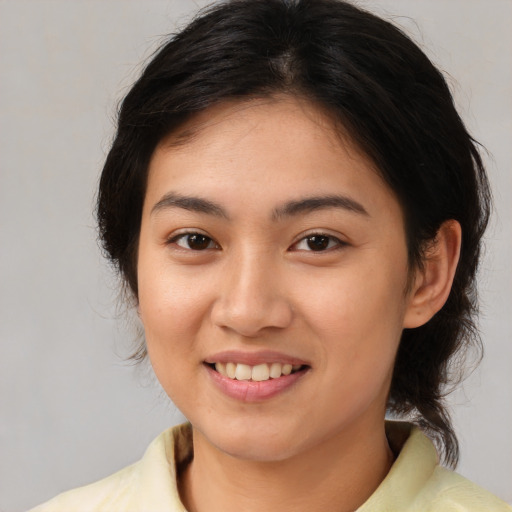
pixel 289 209
pixel 191 203
pixel 310 204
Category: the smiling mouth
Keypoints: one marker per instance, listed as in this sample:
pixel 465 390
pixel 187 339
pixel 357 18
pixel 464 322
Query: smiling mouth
pixel 256 373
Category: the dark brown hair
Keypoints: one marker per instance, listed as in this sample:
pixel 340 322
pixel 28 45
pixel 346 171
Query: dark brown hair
pixel 383 91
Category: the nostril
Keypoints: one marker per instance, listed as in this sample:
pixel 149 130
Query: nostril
pixel 249 312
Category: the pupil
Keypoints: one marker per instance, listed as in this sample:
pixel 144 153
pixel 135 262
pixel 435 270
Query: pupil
pixel 318 243
pixel 198 242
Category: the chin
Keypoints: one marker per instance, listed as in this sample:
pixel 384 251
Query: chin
pixel 251 442
pixel 259 450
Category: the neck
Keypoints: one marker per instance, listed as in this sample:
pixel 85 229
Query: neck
pixel 340 475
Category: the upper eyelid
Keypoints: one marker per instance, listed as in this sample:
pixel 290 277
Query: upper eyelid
pixel 340 242
pixel 314 232
pixel 320 232
pixel 187 231
pixel 174 237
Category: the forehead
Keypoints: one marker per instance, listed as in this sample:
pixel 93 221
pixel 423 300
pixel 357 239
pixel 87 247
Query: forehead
pixel 273 146
pixel 279 107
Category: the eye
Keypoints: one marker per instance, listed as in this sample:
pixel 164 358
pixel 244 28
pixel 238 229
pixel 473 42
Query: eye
pixel 317 242
pixel 194 241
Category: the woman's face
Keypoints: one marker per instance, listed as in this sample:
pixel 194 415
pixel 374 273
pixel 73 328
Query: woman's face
pixel 267 242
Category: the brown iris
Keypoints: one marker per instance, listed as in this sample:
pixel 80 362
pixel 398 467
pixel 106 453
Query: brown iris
pixel 198 242
pixel 318 242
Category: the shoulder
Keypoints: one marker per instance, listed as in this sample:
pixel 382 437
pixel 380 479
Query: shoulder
pixel 448 491
pixel 110 493
pixel 149 484
pixel 417 483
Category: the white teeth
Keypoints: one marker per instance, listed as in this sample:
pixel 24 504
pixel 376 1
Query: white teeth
pixel 275 370
pixel 221 368
pixel 257 373
pixel 243 372
pixel 260 372
pixel 287 369
pixel 231 370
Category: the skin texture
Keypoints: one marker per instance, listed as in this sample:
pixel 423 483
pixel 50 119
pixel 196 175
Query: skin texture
pixel 258 286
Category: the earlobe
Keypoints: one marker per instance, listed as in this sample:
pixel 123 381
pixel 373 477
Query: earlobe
pixel 433 282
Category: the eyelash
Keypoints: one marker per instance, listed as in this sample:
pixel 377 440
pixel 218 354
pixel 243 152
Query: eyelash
pixel 305 239
pixel 188 235
pixel 338 244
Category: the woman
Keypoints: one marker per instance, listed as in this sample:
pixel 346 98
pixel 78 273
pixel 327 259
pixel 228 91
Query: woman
pixel 297 209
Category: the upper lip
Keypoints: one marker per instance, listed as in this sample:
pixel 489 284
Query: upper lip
pixel 253 358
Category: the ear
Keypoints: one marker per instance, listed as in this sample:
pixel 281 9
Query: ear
pixel 433 282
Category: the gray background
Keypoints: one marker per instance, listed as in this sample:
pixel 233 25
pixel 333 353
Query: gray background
pixel 71 410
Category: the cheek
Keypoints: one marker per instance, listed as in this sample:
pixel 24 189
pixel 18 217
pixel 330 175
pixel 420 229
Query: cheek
pixel 169 312
pixel 170 319
pixel 171 309
pixel 359 319
pixel 357 304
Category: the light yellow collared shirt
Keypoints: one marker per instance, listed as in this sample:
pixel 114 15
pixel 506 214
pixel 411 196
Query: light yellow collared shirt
pixel 416 481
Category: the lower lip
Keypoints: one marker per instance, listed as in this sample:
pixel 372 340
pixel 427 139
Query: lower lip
pixel 250 391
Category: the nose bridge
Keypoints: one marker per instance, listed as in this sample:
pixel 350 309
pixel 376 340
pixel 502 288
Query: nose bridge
pixel 252 297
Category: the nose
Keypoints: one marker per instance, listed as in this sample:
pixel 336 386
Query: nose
pixel 252 297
